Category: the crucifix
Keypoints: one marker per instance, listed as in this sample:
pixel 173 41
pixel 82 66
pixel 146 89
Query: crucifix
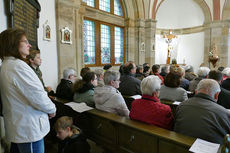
pixel 168 39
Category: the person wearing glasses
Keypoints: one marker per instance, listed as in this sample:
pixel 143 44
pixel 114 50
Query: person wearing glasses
pixel 65 88
pixel 26 106
pixel 108 98
pixel 84 89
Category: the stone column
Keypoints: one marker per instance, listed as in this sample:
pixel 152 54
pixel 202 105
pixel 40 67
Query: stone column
pixel 140 41
pixel 130 40
pixel 150 32
pixel 79 38
pixel 217 33
pixel 67 15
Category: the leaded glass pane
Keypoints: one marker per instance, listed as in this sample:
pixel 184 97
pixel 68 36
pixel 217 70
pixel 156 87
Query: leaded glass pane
pixel 105 44
pixel 90 2
pixel 104 5
pixel 89 42
pixel 118 8
pixel 119 45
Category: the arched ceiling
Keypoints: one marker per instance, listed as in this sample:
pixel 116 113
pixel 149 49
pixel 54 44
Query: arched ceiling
pixel 177 14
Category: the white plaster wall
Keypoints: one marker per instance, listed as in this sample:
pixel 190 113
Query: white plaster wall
pixel 189 48
pixel 222 2
pixel 48 49
pixel 175 14
pixel 210 5
pixel 3 18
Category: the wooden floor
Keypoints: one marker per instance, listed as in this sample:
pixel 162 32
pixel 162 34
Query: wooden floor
pixel 52 147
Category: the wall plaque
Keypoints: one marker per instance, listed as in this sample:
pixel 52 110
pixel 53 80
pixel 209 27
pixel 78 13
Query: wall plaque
pixel 24 14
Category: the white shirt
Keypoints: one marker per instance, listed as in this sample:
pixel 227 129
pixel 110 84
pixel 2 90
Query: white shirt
pixel 25 102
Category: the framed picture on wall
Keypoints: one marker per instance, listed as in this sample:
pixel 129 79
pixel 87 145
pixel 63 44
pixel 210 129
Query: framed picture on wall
pixel 46 31
pixel 66 35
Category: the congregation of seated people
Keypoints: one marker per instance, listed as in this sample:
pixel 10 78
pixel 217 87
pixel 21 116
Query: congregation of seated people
pixel 106 89
pixel 204 109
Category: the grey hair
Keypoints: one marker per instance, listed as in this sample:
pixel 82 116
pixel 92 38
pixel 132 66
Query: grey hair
pixel 110 75
pixel 226 71
pixel 165 69
pixel 150 84
pixel 189 68
pixel 203 71
pixel 99 72
pixel 209 85
pixel 67 72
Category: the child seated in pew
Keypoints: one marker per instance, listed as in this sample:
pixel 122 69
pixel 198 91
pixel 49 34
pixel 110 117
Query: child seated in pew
pixel 72 138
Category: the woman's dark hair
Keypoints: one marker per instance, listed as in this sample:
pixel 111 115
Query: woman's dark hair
pixel 146 68
pixel 107 66
pixel 155 68
pixel 139 67
pixel 128 67
pixel 121 69
pixel 9 43
pixel 84 71
pixel 172 80
pixel 84 84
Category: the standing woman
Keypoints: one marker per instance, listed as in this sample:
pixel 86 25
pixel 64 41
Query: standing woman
pixel 26 106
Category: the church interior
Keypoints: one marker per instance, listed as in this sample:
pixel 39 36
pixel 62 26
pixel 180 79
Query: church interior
pixel 94 33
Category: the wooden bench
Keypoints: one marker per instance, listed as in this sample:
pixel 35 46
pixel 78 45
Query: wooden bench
pixel 121 135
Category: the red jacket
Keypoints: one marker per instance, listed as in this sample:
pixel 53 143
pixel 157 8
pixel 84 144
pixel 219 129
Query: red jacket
pixel 148 109
pixel 160 77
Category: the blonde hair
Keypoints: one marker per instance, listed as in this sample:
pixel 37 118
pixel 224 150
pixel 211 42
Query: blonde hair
pixel 32 55
pixel 63 122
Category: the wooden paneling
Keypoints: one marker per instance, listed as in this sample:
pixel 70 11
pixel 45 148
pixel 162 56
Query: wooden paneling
pixel 118 134
pixel 136 141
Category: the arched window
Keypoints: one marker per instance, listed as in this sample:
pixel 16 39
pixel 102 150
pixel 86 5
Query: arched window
pixel 103 42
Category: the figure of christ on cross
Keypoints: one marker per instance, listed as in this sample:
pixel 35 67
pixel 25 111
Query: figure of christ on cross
pixel 168 39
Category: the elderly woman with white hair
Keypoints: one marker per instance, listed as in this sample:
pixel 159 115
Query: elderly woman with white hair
pixel 149 109
pixel 226 83
pixel 202 74
pixel 108 98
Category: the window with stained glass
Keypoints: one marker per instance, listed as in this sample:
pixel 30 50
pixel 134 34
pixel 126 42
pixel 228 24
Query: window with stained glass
pixel 119 45
pixel 105 44
pixel 89 42
pixel 104 5
pixel 90 2
pixel 117 8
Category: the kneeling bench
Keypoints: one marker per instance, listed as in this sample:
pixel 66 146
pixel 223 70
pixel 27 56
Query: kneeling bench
pixel 122 135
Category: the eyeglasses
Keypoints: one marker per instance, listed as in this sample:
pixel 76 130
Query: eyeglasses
pixel 25 41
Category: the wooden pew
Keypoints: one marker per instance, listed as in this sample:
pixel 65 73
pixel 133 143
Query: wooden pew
pixel 172 106
pixel 121 135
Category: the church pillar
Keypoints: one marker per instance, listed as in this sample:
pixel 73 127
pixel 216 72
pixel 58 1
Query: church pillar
pixel 217 35
pixel 140 41
pixel 150 32
pixel 69 14
pixel 130 40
